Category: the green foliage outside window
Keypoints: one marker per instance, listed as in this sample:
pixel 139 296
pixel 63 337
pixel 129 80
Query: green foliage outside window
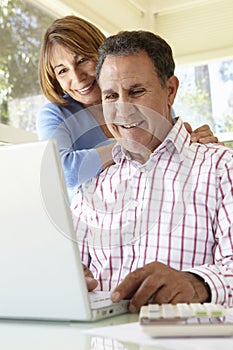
pixel 22 25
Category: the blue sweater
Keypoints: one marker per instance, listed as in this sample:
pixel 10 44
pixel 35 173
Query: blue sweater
pixel 77 134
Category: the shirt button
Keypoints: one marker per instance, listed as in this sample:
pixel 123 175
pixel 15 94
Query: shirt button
pixel 143 169
pixel 135 202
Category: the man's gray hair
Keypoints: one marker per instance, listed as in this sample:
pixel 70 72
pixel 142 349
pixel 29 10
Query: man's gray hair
pixel 130 42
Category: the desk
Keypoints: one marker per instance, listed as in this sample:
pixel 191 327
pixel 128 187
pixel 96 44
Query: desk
pixel 33 335
pixel 70 336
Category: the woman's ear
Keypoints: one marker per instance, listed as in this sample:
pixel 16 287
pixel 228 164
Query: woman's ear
pixel 172 87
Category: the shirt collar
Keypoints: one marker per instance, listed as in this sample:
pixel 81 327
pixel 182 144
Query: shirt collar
pixel 177 138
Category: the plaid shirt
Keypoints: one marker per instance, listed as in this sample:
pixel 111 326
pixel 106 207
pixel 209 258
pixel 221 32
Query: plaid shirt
pixel 177 208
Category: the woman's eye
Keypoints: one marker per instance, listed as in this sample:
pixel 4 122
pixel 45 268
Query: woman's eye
pixel 62 71
pixel 81 60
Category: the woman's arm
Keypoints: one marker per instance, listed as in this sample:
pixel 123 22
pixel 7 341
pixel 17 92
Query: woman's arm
pixel 85 151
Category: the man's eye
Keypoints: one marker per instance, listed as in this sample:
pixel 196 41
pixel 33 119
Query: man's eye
pixel 137 92
pixel 110 97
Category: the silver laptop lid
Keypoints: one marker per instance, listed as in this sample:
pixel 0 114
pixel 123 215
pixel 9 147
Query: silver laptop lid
pixel 40 268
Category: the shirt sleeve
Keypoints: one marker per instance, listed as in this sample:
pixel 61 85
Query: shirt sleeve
pixel 219 275
pixel 79 164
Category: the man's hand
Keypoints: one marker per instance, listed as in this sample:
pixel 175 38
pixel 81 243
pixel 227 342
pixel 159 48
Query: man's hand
pixel 159 283
pixel 203 134
pixel 90 281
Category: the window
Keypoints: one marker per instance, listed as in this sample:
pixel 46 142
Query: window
pixel 206 96
pixel 22 26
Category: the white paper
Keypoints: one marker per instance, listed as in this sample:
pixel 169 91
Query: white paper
pixel 132 333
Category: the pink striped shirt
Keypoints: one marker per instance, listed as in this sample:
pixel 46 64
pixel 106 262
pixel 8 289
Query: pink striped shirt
pixel 177 208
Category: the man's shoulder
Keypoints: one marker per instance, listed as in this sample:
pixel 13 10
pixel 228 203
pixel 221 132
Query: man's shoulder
pixel 219 154
pixel 96 182
pixel 214 148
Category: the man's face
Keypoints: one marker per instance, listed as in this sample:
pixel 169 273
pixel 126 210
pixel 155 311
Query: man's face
pixel 136 106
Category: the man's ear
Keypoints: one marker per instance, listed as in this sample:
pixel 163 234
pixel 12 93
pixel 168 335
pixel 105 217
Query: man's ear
pixel 172 87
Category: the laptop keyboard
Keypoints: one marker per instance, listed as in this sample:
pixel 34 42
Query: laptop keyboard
pixel 100 298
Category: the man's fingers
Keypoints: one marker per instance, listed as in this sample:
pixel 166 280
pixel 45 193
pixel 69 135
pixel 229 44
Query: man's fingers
pixel 174 294
pixel 128 286
pixel 91 283
pixel 161 290
pixel 146 292
pixel 87 272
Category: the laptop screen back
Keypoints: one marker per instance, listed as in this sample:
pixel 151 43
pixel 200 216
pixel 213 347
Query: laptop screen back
pixel 40 268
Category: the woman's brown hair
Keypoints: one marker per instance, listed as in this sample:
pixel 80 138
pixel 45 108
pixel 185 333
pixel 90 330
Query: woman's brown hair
pixel 75 34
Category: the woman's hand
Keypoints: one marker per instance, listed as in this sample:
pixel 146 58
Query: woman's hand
pixel 203 134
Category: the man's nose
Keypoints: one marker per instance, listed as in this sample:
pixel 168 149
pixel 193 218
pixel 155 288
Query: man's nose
pixel 124 109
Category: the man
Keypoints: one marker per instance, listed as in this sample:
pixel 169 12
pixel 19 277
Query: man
pixel 157 225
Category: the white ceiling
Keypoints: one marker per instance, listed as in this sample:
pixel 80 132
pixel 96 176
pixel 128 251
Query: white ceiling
pixel 196 29
pixel 115 15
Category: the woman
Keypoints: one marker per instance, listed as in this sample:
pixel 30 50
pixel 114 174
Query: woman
pixel 74 116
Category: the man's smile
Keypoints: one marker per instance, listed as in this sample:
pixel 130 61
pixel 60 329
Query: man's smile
pixel 129 125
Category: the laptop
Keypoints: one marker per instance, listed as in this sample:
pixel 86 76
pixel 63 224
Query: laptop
pixel 41 272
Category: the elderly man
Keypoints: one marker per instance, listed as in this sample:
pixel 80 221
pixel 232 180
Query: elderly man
pixel 157 226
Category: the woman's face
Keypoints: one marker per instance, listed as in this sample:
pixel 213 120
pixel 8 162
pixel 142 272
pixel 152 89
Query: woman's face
pixel 76 75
